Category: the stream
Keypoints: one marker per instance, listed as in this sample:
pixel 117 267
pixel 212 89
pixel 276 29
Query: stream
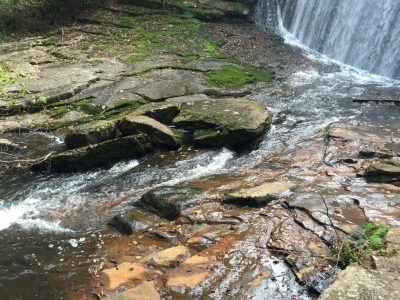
pixel 52 226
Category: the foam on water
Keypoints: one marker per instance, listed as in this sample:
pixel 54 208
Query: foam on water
pixel 43 202
pixel 217 164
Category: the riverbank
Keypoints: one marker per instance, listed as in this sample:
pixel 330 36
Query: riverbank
pixel 199 235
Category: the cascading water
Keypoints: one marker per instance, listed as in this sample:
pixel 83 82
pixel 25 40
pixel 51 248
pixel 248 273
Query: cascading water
pixel 361 33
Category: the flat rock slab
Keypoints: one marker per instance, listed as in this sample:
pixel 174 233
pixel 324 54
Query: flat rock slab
pixel 357 283
pixel 191 273
pixel 95 156
pixel 223 122
pixel 127 273
pixel 167 202
pixel 167 258
pixel 144 291
pixel 260 195
pixel 58 83
pixel 161 135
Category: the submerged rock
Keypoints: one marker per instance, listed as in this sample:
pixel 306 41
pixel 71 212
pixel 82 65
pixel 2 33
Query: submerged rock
pixel 167 201
pixel 170 257
pixel 98 155
pixel 127 274
pixel 223 122
pixel 122 224
pixel 258 196
pixel 386 171
pixel 161 135
pixel 144 291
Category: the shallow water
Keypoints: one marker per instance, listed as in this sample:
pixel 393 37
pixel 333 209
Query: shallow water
pixel 51 225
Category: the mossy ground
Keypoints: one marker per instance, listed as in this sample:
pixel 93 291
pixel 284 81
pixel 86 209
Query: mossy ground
pixel 230 76
pixel 366 240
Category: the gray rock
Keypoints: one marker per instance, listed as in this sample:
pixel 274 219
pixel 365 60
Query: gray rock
pixel 122 224
pixel 91 133
pixel 357 283
pixel 191 98
pixel 167 202
pixel 258 196
pixel 161 135
pixel 386 171
pixel 96 156
pixel 223 122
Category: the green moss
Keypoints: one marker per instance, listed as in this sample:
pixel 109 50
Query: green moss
pixel 7 78
pixel 229 76
pixel 110 50
pixel 369 238
pixel 58 112
pixel 202 133
pixel 123 105
pixel 211 51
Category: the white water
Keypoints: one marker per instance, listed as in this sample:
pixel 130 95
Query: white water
pixel 43 203
pixel 361 33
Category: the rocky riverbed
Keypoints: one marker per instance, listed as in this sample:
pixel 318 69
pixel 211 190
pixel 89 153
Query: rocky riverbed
pixel 182 153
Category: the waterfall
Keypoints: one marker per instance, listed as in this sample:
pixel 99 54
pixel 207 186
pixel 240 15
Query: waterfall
pixel 361 33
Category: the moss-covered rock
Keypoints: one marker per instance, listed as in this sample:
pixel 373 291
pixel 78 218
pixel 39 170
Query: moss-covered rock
pixel 95 156
pixel 223 122
pixel 230 76
pixel 91 133
pixel 386 171
pixel 161 135
pixel 167 201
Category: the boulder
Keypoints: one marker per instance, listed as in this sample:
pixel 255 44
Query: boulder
pixel 356 282
pixel 91 133
pixel 386 171
pixel 167 201
pixel 122 224
pixel 223 122
pixel 95 156
pixel 161 135
pixel 258 196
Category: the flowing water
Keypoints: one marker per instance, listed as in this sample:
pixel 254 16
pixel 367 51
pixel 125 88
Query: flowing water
pixel 361 33
pixel 50 224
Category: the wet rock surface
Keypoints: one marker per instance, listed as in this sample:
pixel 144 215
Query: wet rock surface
pixel 167 202
pixel 101 154
pixel 296 195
